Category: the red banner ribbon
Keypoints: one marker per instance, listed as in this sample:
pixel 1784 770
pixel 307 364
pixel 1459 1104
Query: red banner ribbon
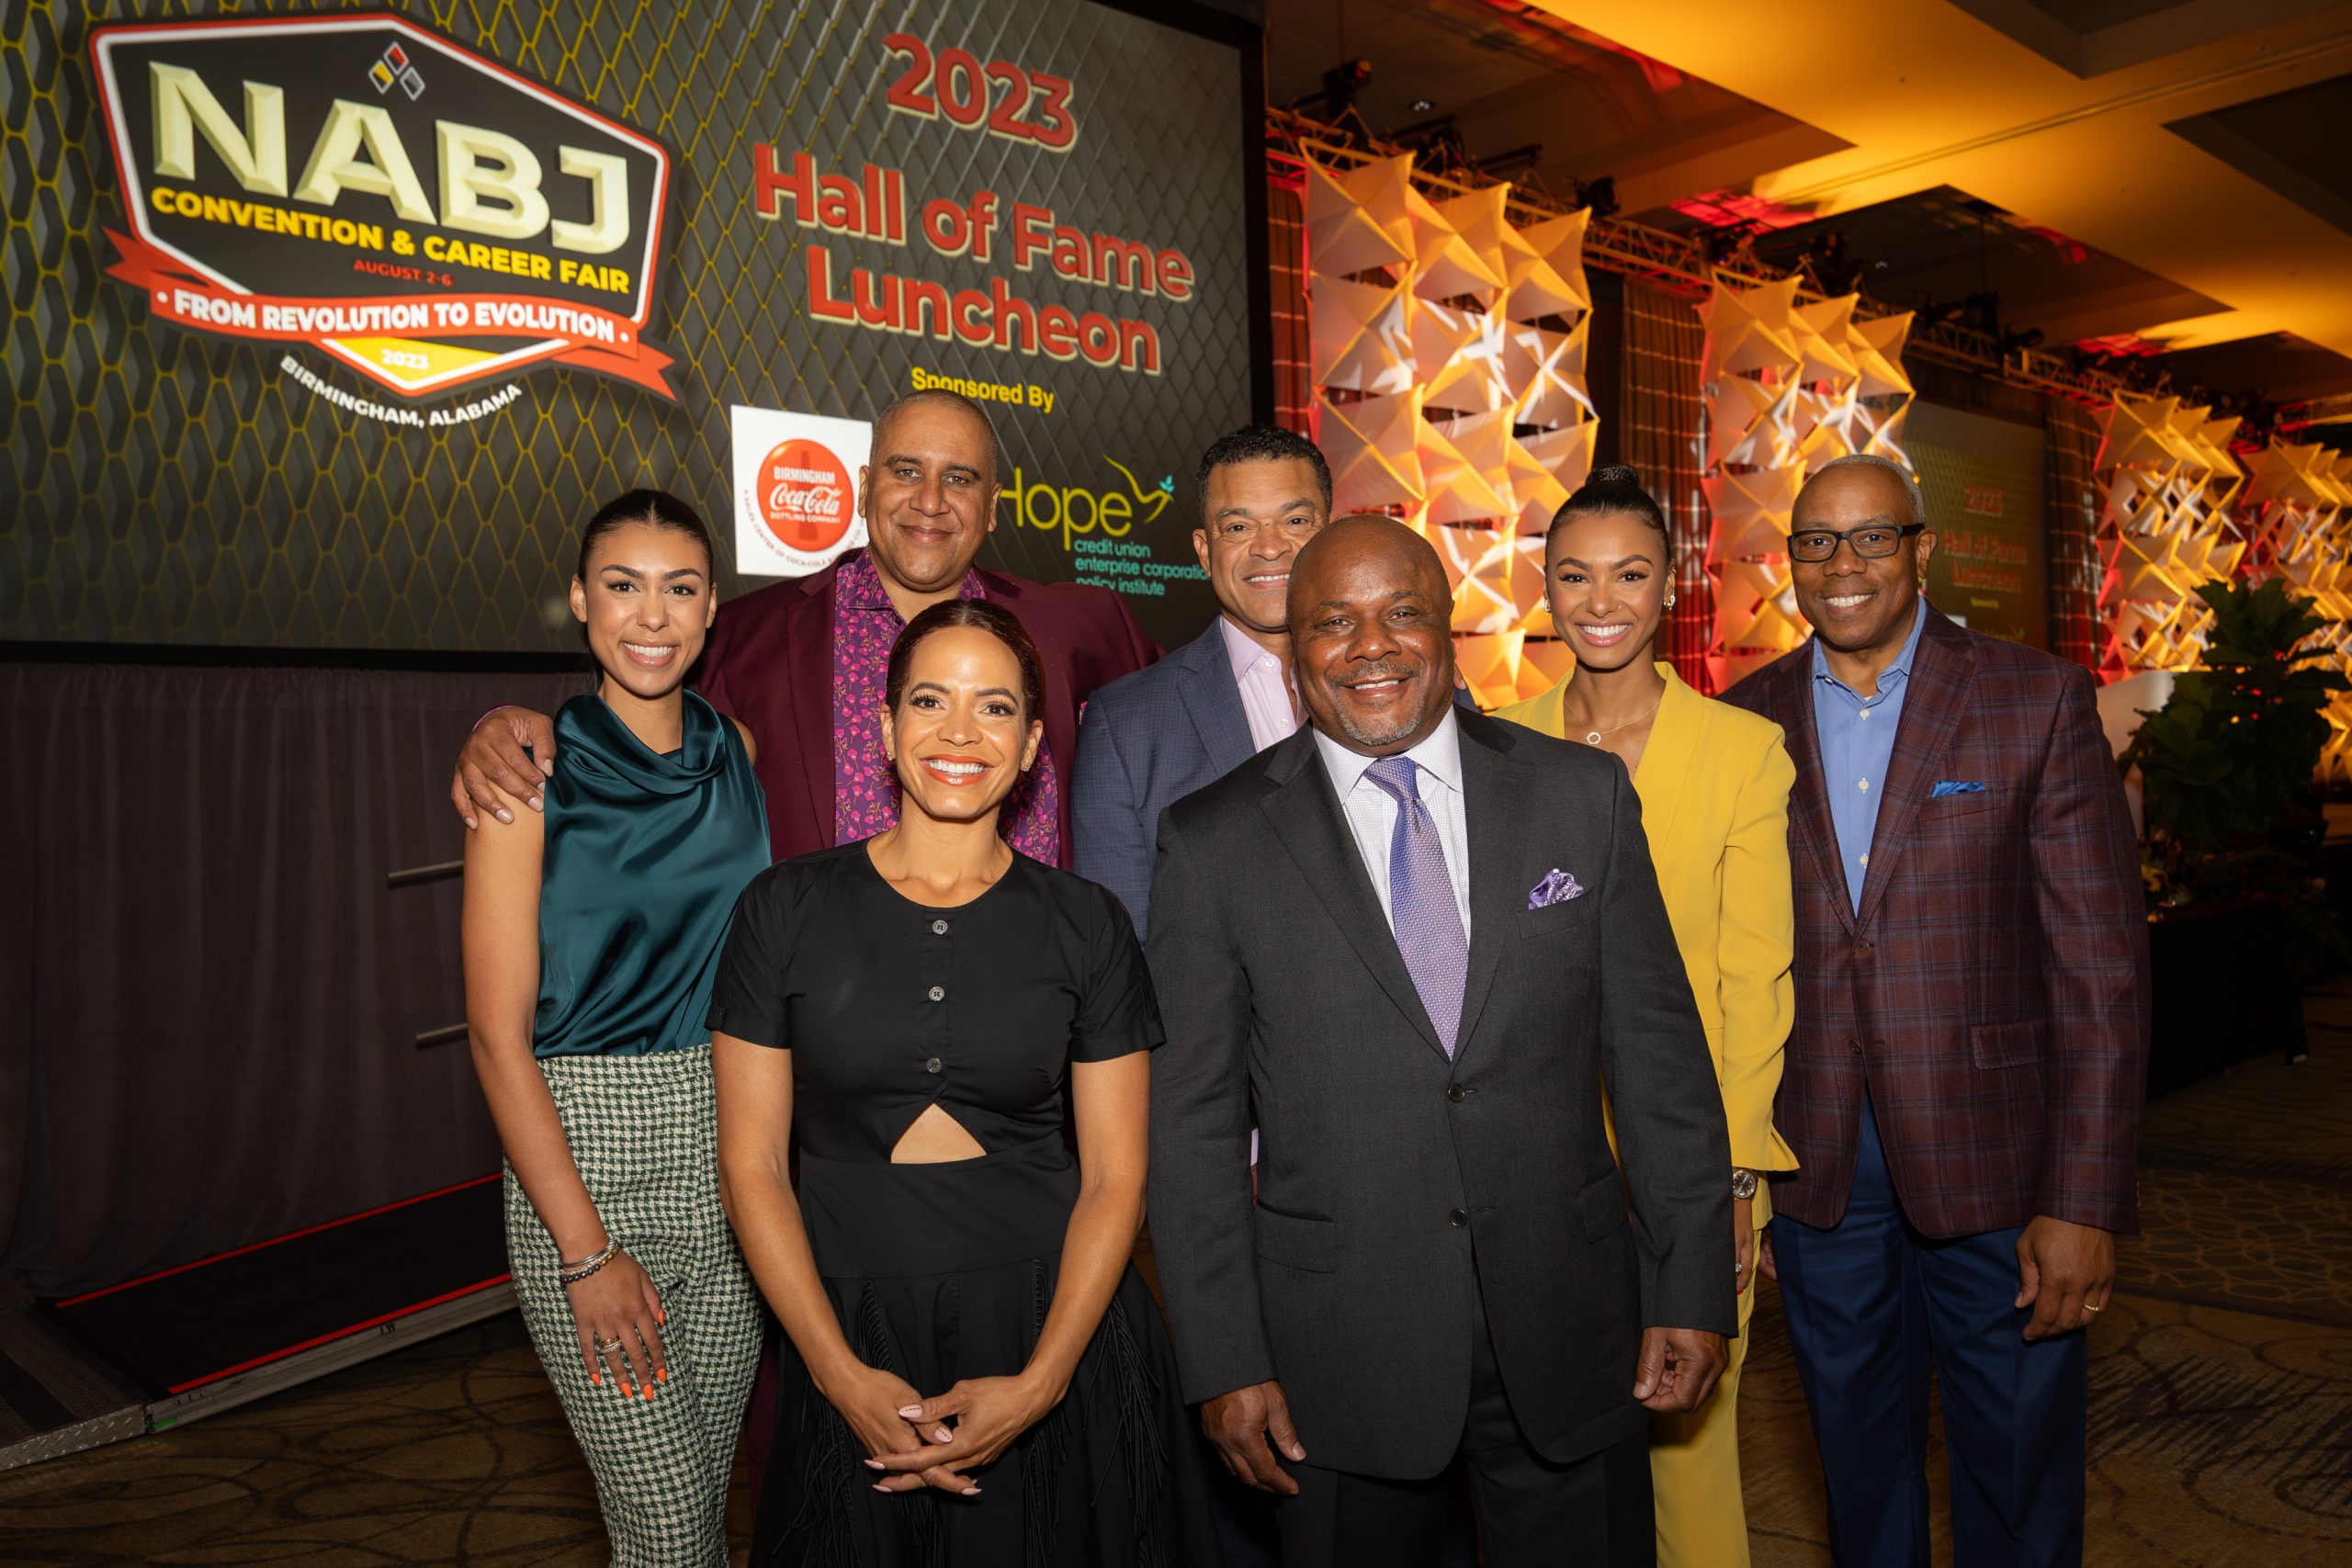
pixel 583 336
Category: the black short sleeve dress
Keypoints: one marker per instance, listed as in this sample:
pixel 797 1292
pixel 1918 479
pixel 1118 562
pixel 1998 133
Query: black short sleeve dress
pixel 944 1271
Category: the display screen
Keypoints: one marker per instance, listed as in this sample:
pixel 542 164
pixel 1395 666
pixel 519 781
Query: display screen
pixel 1983 482
pixel 330 328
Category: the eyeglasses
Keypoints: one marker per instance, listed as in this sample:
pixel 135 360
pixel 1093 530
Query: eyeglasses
pixel 1874 543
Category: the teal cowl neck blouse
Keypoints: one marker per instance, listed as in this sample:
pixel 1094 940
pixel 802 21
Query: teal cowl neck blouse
pixel 645 857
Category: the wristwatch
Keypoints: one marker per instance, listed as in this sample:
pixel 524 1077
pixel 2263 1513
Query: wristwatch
pixel 1743 1183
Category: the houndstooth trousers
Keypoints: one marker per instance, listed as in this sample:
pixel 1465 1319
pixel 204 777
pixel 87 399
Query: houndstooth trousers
pixel 643 1131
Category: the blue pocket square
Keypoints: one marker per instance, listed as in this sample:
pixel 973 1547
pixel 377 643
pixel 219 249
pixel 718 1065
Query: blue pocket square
pixel 1955 786
pixel 1557 887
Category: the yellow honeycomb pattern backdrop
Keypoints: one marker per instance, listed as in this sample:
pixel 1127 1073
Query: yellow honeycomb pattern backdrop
pixel 1789 387
pixel 1448 328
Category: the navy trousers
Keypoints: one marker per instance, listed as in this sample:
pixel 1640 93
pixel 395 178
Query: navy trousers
pixel 1873 1308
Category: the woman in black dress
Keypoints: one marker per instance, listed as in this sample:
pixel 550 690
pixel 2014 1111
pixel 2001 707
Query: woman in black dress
pixel 972 1373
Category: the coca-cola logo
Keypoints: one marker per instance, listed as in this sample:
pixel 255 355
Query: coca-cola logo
pixel 801 501
pixel 806 496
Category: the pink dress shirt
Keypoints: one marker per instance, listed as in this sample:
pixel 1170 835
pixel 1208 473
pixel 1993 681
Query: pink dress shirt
pixel 1264 680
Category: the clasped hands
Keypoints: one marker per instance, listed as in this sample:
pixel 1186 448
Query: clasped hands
pixel 909 1442
pixel 1676 1371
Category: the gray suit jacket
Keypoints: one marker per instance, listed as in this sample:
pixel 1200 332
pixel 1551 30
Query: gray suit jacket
pixel 1146 740
pixel 1388 1174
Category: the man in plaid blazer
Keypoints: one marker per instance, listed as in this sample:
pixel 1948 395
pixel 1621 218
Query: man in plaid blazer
pixel 1965 1077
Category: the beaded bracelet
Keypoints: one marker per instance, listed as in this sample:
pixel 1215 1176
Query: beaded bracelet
pixel 572 1274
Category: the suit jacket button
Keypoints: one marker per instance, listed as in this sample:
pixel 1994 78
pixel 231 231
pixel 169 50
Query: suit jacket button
pixel 1861 950
pixel 931 1064
pixel 1457 1093
pixel 1457 1219
pixel 1855 1046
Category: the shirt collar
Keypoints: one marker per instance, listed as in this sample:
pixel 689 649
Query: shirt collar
pixel 1902 665
pixel 1439 756
pixel 857 585
pixel 1241 651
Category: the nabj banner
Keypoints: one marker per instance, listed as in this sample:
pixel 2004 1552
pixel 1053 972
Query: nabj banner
pixel 331 325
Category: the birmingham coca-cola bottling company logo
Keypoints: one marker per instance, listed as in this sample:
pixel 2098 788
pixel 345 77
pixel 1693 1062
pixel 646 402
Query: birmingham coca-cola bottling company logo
pixel 807 501
pixel 796 488
pixel 367 187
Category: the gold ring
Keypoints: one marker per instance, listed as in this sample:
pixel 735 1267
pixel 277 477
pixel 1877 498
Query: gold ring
pixel 2087 1307
pixel 605 1346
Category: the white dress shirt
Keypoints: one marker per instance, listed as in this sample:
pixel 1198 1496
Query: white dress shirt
pixel 1371 811
pixel 1264 680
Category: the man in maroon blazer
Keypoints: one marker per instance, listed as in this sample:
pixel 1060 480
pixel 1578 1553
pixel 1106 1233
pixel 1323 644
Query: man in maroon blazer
pixel 1964 1081
pixel 800 663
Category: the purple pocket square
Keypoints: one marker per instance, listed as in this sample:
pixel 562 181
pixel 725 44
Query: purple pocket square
pixel 1557 887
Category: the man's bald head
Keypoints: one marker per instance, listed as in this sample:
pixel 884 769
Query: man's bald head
pixel 1366 535
pixel 1369 613
pixel 983 452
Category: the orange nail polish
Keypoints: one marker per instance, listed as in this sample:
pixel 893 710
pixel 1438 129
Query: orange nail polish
pixel 661 1317
pixel 649 1394
pixel 627 1391
pixel 663 1373
pixel 595 1378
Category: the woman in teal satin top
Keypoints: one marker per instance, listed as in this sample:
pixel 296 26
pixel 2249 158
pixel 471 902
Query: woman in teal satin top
pixel 681 834
pixel 591 933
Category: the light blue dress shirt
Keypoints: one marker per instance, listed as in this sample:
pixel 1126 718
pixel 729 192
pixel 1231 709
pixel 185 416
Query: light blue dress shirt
pixel 1371 811
pixel 1857 744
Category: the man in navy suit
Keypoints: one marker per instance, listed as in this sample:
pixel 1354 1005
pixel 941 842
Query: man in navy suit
pixel 1156 736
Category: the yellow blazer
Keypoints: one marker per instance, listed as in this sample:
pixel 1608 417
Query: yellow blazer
pixel 1713 785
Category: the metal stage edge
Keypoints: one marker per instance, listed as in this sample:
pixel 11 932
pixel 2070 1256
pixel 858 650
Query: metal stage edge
pixel 273 1376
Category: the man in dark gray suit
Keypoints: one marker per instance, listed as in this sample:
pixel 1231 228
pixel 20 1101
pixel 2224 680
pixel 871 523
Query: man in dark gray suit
pixel 1406 944
pixel 1168 728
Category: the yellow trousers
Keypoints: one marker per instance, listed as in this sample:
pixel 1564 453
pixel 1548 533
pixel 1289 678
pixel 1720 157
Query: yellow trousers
pixel 1694 1468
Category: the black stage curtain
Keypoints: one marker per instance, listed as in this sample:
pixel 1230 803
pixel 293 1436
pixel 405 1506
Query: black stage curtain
pixel 211 998
pixel 1658 436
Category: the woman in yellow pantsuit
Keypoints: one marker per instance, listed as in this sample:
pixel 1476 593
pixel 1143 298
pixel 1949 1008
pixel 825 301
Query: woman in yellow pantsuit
pixel 1714 782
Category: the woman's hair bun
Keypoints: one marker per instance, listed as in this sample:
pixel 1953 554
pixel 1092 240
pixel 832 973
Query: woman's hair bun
pixel 1609 490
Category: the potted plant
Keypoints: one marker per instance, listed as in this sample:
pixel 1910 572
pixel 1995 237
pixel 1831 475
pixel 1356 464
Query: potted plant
pixel 2227 765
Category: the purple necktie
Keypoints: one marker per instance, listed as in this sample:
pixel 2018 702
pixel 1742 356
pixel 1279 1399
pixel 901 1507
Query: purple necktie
pixel 1428 921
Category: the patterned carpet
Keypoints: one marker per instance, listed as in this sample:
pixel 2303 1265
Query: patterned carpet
pixel 2221 1398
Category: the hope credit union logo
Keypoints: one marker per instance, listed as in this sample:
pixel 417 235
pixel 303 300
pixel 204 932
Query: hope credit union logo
pixel 369 188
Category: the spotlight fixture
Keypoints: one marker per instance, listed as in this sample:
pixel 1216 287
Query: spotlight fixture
pixel 1732 246
pixel 1981 313
pixel 1342 82
pixel 1423 105
pixel 1600 194
pixel 1500 161
pixel 1340 86
pixel 1833 267
pixel 2015 340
